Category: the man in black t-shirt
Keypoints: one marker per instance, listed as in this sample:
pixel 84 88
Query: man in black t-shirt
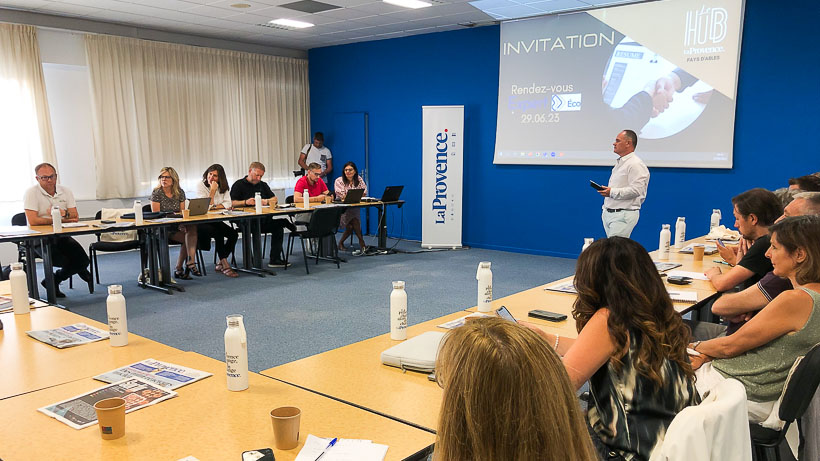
pixel 755 210
pixel 243 193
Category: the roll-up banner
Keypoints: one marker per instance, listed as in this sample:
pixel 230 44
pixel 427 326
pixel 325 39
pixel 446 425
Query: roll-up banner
pixel 441 138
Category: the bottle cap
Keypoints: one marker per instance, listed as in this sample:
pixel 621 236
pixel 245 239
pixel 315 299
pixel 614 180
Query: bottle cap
pixel 398 285
pixel 484 265
pixel 114 289
pixel 665 226
pixel 588 240
pixel 16 266
pixel 234 320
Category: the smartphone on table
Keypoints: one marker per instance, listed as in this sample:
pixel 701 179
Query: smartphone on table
pixel 505 314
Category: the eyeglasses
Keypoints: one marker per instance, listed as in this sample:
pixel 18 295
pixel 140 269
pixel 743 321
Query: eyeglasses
pixel 48 178
pixel 165 177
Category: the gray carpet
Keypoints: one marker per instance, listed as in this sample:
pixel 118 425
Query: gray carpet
pixel 293 315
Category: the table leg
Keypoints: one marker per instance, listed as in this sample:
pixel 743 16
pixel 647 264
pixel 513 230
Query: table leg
pixel 164 254
pixel 48 270
pixel 31 270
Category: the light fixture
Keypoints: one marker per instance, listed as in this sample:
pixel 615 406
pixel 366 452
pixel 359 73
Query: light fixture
pixel 240 5
pixel 409 3
pixel 291 23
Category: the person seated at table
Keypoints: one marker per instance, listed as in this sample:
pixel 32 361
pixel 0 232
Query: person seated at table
pixel 214 185
pixel 313 182
pixel 350 220
pixel 807 183
pixel 66 253
pixel 243 193
pixel 506 397
pixel 631 347
pixel 169 197
pixel 755 210
pixel 739 307
pixel 761 353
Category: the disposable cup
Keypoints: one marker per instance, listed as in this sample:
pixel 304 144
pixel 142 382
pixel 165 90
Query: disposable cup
pixel 697 251
pixel 285 422
pixel 186 213
pixel 111 417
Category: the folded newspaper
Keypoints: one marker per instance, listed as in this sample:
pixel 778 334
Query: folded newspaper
pixel 78 412
pixel 163 374
pixel 564 287
pixel 69 335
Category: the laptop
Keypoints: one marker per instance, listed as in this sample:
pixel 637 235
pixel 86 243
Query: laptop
pixel 199 206
pixel 392 193
pixel 353 196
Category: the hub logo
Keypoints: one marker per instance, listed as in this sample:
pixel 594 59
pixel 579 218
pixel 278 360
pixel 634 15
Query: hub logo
pixel 705 26
pixel 566 102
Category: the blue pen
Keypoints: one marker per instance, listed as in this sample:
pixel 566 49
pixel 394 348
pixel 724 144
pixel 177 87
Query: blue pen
pixel 332 442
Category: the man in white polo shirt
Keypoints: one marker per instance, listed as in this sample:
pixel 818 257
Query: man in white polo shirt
pixel 67 254
pixel 317 153
pixel 627 187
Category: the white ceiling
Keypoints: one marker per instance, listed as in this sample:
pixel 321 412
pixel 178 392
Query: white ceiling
pixel 355 21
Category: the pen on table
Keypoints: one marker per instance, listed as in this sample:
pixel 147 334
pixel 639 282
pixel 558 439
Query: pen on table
pixel 720 262
pixel 332 442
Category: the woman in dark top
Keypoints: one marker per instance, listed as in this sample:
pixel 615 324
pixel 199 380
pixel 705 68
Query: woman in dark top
pixel 631 346
pixel 169 197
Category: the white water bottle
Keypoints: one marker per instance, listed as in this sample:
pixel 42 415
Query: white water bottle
pixel 257 200
pixel 236 353
pixel 587 242
pixel 398 312
pixel 305 199
pixel 663 244
pixel 680 232
pixel 138 212
pixel 19 289
pixel 714 221
pixel 117 319
pixel 56 219
pixel 485 287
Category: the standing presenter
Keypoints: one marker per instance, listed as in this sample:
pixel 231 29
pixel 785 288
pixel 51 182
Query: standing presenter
pixel 626 189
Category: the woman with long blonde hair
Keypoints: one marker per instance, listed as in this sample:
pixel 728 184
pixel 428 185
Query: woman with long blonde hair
pixel 170 198
pixel 506 397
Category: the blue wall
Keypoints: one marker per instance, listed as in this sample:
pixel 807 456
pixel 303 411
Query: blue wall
pixel 549 209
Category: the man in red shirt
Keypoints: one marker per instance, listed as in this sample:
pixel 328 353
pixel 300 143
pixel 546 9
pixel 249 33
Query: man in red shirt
pixel 312 181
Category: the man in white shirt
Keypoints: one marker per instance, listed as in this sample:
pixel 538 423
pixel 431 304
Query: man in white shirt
pixel 317 153
pixel 627 187
pixel 66 253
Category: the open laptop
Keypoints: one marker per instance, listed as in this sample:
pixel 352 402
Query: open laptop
pixel 199 206
pixel 392 193
pixel 353 196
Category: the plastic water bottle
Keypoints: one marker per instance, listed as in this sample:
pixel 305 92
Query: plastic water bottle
pixel 663 244
pixel 19 289
pixel 117 319
pixel 680 232
pixel 485 287
pixel 398 312
pixel 305 199
pixel 257 199
pixel 138 212
pixel 714 221
pixel 587 242
pixel 236 353
pixel 56 219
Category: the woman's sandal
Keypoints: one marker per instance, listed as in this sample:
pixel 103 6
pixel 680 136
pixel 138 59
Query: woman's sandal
pixel 191 268
pixel 181 274
pixel 218 267
pixel 230 272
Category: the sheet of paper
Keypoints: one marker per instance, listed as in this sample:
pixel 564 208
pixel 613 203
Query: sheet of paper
pixel 344 450
pixel 683 295
pixel 691 275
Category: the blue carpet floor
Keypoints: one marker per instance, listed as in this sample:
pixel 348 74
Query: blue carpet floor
pixel 293 315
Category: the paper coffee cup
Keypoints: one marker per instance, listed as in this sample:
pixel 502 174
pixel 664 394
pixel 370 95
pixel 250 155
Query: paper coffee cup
pixel 285 422
pixel 111 417
pixel 697 251
pixel 186 213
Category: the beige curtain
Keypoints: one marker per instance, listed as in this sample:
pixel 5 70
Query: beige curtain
pixel 158 104
pixel 25 127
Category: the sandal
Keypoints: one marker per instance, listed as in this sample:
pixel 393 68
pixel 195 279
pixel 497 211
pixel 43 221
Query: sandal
pixel 218 267
pixel 181 274
pixel 229 272
pixel 191 268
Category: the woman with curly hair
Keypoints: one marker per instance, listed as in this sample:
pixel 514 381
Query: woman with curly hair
pixel 631 347
pixel 506 397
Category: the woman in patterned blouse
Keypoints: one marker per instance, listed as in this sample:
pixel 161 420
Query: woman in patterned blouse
pixel 170 198
pixel 350 221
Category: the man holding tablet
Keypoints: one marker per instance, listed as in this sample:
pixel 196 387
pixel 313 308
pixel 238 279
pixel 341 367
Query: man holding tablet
pixel 626 189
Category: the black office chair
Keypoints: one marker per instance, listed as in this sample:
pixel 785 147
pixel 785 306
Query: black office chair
pixel 108 247
pixel 300 226
pixel 797 396
pixel 20 220
pixel 323 223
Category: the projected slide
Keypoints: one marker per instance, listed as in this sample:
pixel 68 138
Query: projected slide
pixel 667 70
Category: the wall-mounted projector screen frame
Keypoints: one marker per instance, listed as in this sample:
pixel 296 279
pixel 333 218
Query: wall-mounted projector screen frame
pixel 667 70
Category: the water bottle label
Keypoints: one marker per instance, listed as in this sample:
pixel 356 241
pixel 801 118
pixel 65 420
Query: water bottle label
pixel 402 319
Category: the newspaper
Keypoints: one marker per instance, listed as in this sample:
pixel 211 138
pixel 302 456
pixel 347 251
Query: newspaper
pixel 7 306
pixel 163 374
pixel 78 412
pixel 564 287
pixel 665 266
pixel 68 336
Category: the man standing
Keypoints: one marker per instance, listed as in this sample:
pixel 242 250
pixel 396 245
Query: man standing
pixel 317 153
pixel 67 254
pixel 243 194
pixel 626 189
pixel 312 181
